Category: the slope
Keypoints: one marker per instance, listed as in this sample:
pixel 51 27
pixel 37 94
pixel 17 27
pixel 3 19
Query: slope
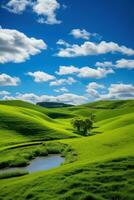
pixel 104 166
pixel 26 123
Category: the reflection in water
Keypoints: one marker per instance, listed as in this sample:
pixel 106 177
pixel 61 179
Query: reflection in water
pixel 39 163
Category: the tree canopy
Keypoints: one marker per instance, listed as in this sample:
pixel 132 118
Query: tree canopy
pixel 83 125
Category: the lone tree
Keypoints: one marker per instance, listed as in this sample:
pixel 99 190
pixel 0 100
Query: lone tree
pixel 82 125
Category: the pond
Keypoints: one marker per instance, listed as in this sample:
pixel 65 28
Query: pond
pixel 39 163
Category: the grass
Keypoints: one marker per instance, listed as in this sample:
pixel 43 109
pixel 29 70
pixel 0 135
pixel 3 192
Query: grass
pixel 19 124
pixel 13 174
pixel 98 167
pixel 108 180
pixel 13 158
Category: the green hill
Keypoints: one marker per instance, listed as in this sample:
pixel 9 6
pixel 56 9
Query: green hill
pixel 22 121
pixel 104 166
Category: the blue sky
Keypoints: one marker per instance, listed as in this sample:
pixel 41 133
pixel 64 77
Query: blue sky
pixel 68 51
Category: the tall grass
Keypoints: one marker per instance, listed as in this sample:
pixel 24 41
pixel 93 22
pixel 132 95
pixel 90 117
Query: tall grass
pixel 11 174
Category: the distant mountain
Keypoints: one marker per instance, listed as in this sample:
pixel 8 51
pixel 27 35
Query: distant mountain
pixel 53 104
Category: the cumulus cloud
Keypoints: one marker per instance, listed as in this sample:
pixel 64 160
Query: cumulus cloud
pixel 40 76
pixel 4 93
pixel 122 63
pixel 6 80
pixel 120 88
pixel 84 72
pixel 114 91
pixel 8 97
pixel 104 64
pixel 93 93
pixel 119 91
pixel 87 72
pixel 63 89
pixel 91 48
pixel 92 87
pixel 16 47
pixel 17 6
pixel 68 98
pixel 63 43
pixel 64 70
pixel 78 33
pixel 47 10
pixel 62 81
pixel 72 98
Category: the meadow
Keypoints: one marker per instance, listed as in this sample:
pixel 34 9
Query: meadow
pixel 97 167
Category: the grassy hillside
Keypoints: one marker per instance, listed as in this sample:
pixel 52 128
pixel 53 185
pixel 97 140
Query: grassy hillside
pixel 104 167
pixel 21 121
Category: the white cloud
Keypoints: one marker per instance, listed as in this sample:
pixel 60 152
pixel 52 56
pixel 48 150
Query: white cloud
pixel 8 97
pixel 17 6
pixel 58 82
pixel 83 34
pixel 104 64
pixel 40 76
pixel 63 43
pixel 30 97
pixel 91 48
pixel 121 88
pixel 63 89
pixel 87 72
pixel 16 47
pixel 65 98
pixel 72 98
pixel 92 87
pixel 64 70
pixel 115 91
pixel 124 63
pixel 93 93
pixel 119 91
pixel 84 72
pixel 46 10
pixel 78 33
pixel 6 80
pixel 4 92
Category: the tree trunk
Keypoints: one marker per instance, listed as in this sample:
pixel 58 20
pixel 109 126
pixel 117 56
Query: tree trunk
pixel 85 131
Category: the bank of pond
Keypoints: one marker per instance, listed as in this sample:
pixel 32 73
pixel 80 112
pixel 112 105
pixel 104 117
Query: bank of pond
pixel 42 157
pixel 37 164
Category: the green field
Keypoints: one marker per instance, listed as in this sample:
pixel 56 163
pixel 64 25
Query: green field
pixel 97 167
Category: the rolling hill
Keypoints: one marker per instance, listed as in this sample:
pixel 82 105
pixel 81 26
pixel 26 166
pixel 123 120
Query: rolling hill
pixel 104 166
pixel 22 121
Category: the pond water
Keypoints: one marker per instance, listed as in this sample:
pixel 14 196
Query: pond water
pixel 39 163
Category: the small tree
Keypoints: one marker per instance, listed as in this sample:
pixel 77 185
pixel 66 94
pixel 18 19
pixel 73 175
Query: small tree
pixel 82 125
pixel 87 124
pixel 76 124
